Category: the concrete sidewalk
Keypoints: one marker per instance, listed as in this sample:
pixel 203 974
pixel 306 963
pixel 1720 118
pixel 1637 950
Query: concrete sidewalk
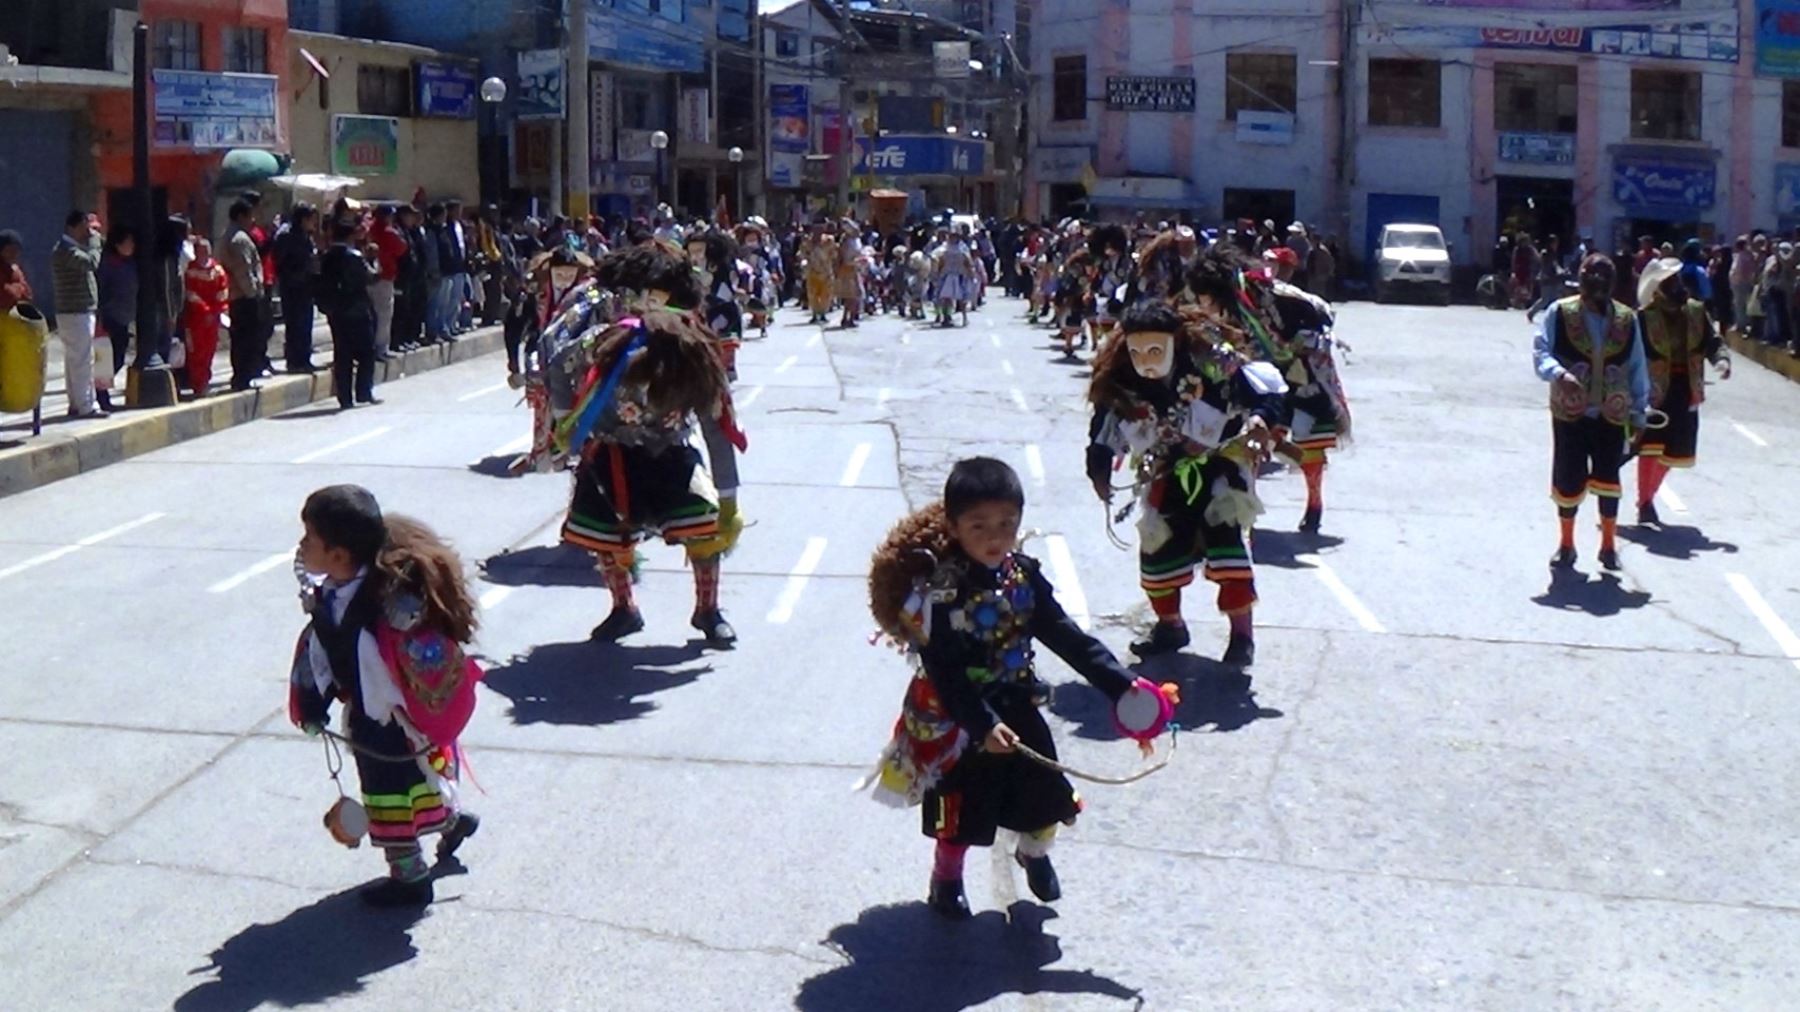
pixel 1777 360
pixel 70 446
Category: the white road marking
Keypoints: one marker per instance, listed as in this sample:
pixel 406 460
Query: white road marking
pixel 882 395
pixel 1744 431
pixel 1018 399
pixel 1671 500
pixel 375 433
pixel 87 542
pixel 519 445
pixel 787 363
pixel 483 392
pixel 749 398
pixel 995 338
pixel 1346 597
pixel 796 583
pixel 1784 636
pixel 1034 462
pixel 244 576
pixel 1068 585
pixel 905 338
pixel 853 470
pixel 813 341
pixel 1006 366
pixel 494 595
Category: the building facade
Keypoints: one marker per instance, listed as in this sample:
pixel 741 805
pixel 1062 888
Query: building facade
pixel 400 118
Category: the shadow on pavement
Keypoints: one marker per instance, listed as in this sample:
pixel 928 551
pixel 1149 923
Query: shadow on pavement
pixel 904 958
pixel 590 683
pixel 1282 549
pixel 496 467
pixel 557 565
pixel 1602 597
pixel 1675 542
pixel 318 952
pixel 1213 696
pixel 301 414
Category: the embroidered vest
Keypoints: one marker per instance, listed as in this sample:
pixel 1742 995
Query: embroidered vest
pixel 1603 373
pixel 1665 344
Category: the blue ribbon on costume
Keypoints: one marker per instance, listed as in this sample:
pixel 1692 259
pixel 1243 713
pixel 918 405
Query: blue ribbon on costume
pixel 590 415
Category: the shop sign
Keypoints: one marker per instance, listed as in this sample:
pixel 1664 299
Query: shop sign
pixel 446 91
pixel 1150 94
pixel 1778 38
pixel 1663 182
pixel 542 80
pixel 920 155
pixel 1537 149
pixel 365 145
pixel 206 111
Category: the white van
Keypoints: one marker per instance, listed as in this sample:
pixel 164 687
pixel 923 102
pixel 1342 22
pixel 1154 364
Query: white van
pixel 1412 257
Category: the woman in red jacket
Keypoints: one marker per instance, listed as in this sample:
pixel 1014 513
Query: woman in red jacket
pixel 208 295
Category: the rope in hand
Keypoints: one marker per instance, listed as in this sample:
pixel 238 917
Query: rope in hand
pixel 1043 760
pixel 331 736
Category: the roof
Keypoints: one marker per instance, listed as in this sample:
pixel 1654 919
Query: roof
pixel 769 7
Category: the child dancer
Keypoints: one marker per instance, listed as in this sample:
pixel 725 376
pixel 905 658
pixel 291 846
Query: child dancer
pixel 208 291
pixel 950 582
pixel 386 636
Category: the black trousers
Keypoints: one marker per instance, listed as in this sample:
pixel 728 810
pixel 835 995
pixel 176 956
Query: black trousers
pixel 353 357
pixel 297 315
pixel 249 346
pixel 1587 454
pixel 409 311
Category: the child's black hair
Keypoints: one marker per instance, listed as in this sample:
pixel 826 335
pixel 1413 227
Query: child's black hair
pixel 347 517
pixel 981 479
pixel 1151 316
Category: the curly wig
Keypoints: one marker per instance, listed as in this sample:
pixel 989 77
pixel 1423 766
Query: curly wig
pixel 679 366
pixel 647 267
pixel 910 553
pixel 1109 237
pixel 417 561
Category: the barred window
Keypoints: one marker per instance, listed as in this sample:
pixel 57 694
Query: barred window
pixel 1405 93
pixel 1259 82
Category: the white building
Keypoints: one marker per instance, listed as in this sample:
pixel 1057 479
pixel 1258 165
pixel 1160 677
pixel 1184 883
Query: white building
pixel 802 104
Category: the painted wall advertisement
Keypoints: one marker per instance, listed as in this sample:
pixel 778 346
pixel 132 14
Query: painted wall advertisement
pixel 790 135
pixel 446 91
pixel 210 111
pixel 365 145
pixel 1655 184
pixel 541 85
pixel 1685 30
pixel 1778 38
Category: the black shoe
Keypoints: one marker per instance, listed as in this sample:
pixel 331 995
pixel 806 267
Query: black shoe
pixel 620 624
pixel 718 632
pixel 467 824
pixel 371 400
pixel 1647 515
pixel 346 405
pixel 948 900
pixel 1563 559
pixel 1309 523
pixel 1240 652
pixel 1609 559
pixel 301 370
pixel 1164 638
pixel 1040 875
pixel 392 892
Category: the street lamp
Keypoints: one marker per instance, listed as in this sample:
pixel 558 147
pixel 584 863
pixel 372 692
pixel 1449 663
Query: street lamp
pixel 493 92
pixel 659 142
pixel 736 157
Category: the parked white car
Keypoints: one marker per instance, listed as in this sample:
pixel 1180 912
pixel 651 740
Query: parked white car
pixel 1412 257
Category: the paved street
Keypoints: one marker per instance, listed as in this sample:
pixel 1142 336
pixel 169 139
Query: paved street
pixel 1447 785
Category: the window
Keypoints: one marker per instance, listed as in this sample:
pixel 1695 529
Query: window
pixel 637 105
pixel 1069 99
pixel 1405 93
pixel 247 50
pixel 1790 114
pixel 384 91
pixel 1534 98
pixel 824 56
pixel 733 22
pixel 787 45
pixel 175 45
pixel 1259 82
pixel 1665 105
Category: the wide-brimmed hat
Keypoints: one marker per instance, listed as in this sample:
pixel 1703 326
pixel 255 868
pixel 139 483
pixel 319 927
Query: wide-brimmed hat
pixel 1655 273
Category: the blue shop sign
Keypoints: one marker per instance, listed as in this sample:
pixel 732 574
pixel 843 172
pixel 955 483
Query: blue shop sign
pixel 920 155
pixel 631 36
pixel 445 90
pixel 1655 185
pixel 207 111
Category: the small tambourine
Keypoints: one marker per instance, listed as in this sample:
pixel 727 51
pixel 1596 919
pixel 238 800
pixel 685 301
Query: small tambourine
pixel 1144 711
pixel 347 822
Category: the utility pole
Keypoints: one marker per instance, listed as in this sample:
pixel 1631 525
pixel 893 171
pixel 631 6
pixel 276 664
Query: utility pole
pixel 581 91
pixel 1348 76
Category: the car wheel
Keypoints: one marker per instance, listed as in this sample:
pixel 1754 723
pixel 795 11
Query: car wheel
pixel 1382 296
pixel 1444 296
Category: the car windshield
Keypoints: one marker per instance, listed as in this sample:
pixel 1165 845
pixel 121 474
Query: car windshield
pixel 1414 240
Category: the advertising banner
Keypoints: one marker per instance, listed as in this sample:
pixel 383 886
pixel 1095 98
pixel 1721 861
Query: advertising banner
pixel 920 156
pixel 1778 38
pixel 1538 149
pixel 446 91
pixel 1667 29
pixel 1653 183
pixel 790 135
pixel 209 111
pixel 542 80
pixel 365 145
pixel 600 109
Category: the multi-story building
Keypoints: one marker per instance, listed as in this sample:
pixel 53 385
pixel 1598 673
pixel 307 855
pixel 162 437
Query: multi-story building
pixel 1568 117
pixel 66 115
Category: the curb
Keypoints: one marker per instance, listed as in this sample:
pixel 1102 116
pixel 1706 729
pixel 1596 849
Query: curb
pixel 53 457
pixel 1777 360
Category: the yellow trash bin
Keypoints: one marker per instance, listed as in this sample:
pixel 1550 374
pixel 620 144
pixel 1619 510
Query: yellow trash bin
pixel 24 357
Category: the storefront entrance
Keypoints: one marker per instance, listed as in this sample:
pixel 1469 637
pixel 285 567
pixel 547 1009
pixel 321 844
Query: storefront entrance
pixel 1539 207
pixel 1259 206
